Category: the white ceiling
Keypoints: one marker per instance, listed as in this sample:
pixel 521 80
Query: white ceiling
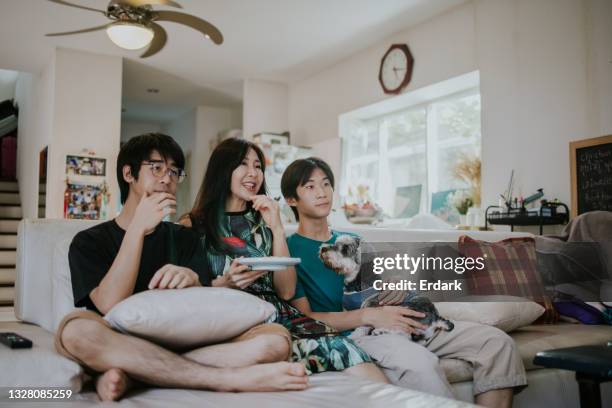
pixel 176 95
pixel 277 40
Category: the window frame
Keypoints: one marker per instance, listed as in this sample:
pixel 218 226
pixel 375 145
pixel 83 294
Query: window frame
pixel 431 146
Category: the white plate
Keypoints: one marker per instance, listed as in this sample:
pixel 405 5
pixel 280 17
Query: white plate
pixel 269 263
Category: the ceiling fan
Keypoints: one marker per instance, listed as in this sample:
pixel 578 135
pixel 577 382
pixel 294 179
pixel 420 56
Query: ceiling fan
pixel 134 24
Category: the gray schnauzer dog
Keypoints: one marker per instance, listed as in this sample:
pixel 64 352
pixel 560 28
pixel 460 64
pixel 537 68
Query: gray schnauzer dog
pixel 344 258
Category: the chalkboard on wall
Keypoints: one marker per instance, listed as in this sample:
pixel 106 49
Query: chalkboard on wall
pixel 591 174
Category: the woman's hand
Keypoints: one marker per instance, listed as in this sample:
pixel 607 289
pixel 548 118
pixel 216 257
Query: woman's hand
pixel 238 276
pixel 269 210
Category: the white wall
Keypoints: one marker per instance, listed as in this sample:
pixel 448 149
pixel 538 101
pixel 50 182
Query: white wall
pixel 533 62
pixel 265 107
pixel 131 128
pixel 35 94
pixel 196 132
pixel 74 104
pixel 8 80
pixel 598 20
pixel 183 130
pixel 536 104
pixel 86 115
pixel 26 97
pixel 330 150
pixel 209 122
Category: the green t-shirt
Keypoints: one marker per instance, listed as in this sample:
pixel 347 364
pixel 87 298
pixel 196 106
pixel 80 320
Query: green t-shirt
pixel 322 286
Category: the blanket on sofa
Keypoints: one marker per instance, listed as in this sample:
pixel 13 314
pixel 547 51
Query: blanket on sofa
pixel 578 261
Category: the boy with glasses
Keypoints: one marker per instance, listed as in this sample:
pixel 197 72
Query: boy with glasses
pixel 129 254
pixel 159 170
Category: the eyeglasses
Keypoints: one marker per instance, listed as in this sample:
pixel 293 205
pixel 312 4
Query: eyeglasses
pixel 159 170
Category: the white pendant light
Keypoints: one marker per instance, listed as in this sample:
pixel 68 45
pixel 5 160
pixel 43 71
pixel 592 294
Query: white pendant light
pixel 129 35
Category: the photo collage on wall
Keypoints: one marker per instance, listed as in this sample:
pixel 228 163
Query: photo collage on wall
pixel 86 195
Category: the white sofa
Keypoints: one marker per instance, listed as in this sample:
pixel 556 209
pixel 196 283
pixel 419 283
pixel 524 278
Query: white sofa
pixel 43 296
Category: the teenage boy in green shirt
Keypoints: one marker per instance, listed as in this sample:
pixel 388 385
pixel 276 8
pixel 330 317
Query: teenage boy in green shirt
pixel 498 371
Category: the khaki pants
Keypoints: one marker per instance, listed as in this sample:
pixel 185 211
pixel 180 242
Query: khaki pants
pixel 492 354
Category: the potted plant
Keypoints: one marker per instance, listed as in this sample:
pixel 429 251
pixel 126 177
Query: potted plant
pixel 468 169
pixel 461 200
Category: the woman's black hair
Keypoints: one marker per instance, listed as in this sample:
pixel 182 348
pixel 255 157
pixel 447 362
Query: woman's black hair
pixel 139 149
pixel 209 207
pixel 298 173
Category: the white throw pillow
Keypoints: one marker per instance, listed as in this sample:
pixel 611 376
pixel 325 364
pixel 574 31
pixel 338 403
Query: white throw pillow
pixel 507 313
pixel 183 318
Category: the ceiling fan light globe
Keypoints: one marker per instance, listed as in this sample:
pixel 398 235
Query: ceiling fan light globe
pixel 130 36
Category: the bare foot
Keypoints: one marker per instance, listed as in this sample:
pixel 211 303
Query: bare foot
pixel 281 376
pixel 111 385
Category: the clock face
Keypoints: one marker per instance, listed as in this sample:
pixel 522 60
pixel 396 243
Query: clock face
pixel 396 68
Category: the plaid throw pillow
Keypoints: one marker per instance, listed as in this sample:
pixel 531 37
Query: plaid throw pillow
pixel 510 269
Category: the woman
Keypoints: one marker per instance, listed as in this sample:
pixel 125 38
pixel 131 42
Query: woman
pixel 237 219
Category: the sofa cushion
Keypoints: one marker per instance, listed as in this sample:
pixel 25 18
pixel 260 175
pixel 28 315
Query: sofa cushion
pixel 35 249
pixel 535 338
pixel 532 339
pixel 182 318
pixel 39 366
pixel 63 299
pixel 507 313
pixel 330 389
pixel 510 269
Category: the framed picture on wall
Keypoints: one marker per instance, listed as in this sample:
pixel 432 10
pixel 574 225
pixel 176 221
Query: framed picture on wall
pixel 85 166
pixel 271 138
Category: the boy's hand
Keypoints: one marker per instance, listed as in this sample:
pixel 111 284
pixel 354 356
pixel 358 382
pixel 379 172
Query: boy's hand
pixel 269 210
pixel 393 317
pixel 392 297
pixel 174 277
pixel 152 209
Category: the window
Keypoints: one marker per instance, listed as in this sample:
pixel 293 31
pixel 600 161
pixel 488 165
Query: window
pixel 406 158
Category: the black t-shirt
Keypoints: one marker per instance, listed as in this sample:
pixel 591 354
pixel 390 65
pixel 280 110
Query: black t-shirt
pixel 93 251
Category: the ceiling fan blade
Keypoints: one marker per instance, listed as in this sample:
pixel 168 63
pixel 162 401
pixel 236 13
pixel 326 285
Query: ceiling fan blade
pixel 159 40
pixel 85 30
pixel 140 3
pixel 194 22
pixel 65 3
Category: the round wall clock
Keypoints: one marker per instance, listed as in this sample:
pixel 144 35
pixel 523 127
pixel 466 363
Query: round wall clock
pixel 396 68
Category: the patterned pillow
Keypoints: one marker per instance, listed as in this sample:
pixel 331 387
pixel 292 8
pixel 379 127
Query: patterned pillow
pixel 510 269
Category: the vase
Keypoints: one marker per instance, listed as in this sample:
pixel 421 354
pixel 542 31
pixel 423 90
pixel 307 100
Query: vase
pixel 473 217
pixel 462 219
